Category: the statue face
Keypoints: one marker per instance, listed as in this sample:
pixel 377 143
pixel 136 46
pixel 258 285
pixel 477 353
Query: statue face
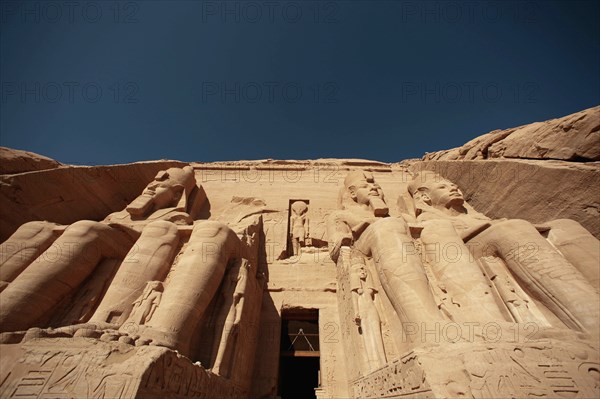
pixel 299 208
pixel 363 190
pixel 444 193
pixel 162 194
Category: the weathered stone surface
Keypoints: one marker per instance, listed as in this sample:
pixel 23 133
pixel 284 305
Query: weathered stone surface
pixel 16 161
pixel 231 279
pixel 574 137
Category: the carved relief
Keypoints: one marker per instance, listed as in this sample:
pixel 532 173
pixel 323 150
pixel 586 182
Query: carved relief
pixel 537 370
pixel 145 306
pixel 401 378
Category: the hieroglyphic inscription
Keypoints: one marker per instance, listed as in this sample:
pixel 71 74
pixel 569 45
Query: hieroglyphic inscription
pixel 50 373
pixel 541 371
pixel 173 376
pixel 400 378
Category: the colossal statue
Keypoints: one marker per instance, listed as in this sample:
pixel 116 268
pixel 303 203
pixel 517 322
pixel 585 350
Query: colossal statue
pixel 165 315
pixel 149 259
pixel 363 223
pixel 538 266
pixel 192 286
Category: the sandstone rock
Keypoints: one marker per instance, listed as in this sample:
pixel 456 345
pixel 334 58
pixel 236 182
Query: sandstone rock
pixel 17 161
pixel 425 278
pixel 575 137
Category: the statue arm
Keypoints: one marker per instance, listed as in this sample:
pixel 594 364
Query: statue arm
pixel 154 299
pixel 355 296
pixel 238 298
pixel 238 306
pixel 306 224
pixel 339 233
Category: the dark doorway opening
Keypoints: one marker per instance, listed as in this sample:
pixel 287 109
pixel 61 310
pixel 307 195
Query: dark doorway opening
pixel 299 362
pixel 298 377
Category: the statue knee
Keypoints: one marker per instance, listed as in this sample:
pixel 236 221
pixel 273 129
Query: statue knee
pixel 432 229
pixel 568 225
pixel 106 241
pixel 159 229
pixel 31 229
pixel 514 224
pixel 210 229
pixel 216 239
pixel 512 230
pixel 391 225
pixel 84 228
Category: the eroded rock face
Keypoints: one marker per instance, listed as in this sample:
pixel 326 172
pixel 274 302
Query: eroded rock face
pixel 574 137
pixel 460 278
pixel 16 161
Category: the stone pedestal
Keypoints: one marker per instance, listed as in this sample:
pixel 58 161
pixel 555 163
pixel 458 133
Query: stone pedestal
pixel 544 368
pixel 88 368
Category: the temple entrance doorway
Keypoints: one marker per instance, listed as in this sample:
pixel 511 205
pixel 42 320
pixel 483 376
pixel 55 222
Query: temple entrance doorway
pixel 299 361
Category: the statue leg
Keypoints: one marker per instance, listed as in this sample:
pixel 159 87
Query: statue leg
pixel 400 270
pixel 58 271
pixel 193 283
pixel 579 247
pixel 543 271
pixel 224 347
pixel 371 331
pixel 149 259
pixel 22 248
pixel 458 273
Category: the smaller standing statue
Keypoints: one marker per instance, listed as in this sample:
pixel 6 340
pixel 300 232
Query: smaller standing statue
pixel 146 304
pixel 366 315
pixel 229 318
pixel 299 226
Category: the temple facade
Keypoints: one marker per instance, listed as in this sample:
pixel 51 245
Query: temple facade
pixel 433 278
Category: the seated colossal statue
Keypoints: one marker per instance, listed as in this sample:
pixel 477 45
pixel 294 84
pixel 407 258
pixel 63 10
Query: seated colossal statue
pixel 39 270
pixel 562 281
pixel 364 223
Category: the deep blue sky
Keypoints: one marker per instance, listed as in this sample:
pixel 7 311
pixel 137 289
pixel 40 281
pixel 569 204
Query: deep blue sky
pixel 92 83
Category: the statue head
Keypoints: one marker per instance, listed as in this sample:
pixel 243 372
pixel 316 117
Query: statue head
pixel 154 286
pixel 360 188
pixel 429 189
pixel 299 208
pixel 169 188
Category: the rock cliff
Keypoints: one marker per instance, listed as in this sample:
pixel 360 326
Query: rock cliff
pixel 574 137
